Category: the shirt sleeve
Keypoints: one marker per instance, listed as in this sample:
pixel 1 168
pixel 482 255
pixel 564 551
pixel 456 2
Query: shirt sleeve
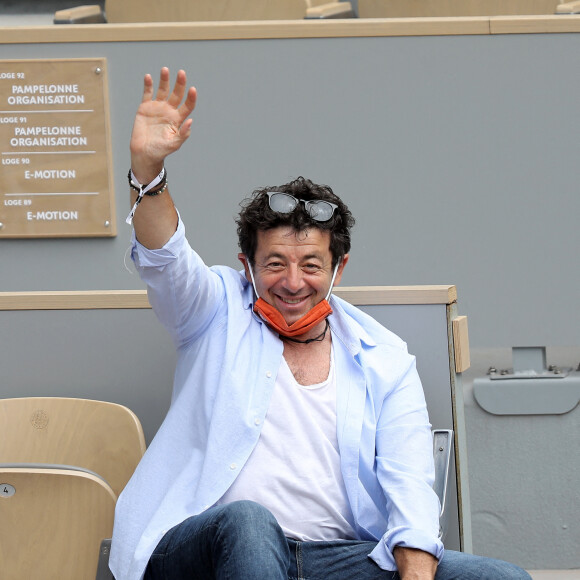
pixel 184 293
pixel 405 470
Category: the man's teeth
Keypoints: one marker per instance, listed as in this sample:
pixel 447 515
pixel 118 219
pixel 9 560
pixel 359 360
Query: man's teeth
pixel 290 301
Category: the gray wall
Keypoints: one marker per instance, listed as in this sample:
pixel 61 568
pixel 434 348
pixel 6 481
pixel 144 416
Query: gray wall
pixel 524 476
pixel 458 156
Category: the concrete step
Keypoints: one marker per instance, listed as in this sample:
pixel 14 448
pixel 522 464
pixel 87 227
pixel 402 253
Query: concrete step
pixel 555 574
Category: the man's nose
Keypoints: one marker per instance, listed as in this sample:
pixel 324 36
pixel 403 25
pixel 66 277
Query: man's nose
pixel 293 281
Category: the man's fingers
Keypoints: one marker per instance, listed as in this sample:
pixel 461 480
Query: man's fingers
pixel 163 90
pixel 147 88
pixel 179 120
pixel 178 90
pixel 185 129
pixel 189 104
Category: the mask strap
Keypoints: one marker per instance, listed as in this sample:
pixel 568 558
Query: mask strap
pixel 252 277
pixel 332 281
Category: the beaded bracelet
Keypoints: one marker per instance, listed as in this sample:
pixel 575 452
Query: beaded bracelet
pixel 160 182
pixel 135 185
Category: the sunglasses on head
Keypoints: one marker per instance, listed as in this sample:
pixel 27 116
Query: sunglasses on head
pixel 317 209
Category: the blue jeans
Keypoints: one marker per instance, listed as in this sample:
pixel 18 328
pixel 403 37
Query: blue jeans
pixel 243 541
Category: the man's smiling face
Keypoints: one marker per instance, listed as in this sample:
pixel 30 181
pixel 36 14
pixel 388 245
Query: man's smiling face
pixel 293 270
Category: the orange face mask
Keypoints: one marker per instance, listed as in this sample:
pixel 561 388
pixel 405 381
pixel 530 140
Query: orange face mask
pixel 275 320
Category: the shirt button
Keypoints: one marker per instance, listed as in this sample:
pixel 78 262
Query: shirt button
pixel 233 466
pixel 269 374
pixel 257 421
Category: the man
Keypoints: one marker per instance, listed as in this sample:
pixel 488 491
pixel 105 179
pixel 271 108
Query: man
pixel 297 444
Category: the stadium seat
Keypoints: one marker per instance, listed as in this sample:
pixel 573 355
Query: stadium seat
pixel 104 438
pixel 53 523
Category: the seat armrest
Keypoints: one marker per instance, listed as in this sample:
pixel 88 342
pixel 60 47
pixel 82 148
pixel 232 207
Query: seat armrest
pixel 330 10
pixel 80 15
pixel 442 447
pixel 35 465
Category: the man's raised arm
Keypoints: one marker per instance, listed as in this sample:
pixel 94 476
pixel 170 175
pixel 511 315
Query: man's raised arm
pixel 162 125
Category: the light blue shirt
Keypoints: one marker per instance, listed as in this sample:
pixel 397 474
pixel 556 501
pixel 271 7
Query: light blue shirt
pixel 226 369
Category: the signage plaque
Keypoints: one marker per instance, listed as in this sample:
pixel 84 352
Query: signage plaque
pixel 55 150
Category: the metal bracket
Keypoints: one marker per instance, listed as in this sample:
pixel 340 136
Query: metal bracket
pixel 530 388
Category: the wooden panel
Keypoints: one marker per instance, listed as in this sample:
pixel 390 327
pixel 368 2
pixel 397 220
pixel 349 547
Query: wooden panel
pixel 151 32
pixel 358 27
pixel 186 10
pixel 461 344
pixel 361 295
pixel 101 299
pixel 534 24
pixel 450 8
pixel 70 300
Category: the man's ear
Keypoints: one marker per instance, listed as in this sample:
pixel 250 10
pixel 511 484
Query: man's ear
pixel 340 269
pixel 244 260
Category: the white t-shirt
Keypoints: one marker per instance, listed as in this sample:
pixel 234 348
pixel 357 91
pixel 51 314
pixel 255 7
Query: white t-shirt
pixel 294 470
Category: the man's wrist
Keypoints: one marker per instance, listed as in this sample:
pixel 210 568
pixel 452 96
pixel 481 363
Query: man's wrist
pixel 415 564
pixel 154 187
pixel 145 171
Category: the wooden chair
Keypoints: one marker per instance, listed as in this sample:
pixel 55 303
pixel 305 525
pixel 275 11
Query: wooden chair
pixel 203 10
pixel 63 463
pixel 52 523
pixel 104 438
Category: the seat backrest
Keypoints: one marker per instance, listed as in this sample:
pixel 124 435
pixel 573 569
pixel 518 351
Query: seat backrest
pixel 102 437
pixel 203 10
pixel 53 522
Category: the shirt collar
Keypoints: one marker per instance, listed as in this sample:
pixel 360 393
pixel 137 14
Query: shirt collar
pixel 347 329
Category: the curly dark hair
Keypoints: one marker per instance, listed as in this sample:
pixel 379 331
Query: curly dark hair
pixel 256 215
